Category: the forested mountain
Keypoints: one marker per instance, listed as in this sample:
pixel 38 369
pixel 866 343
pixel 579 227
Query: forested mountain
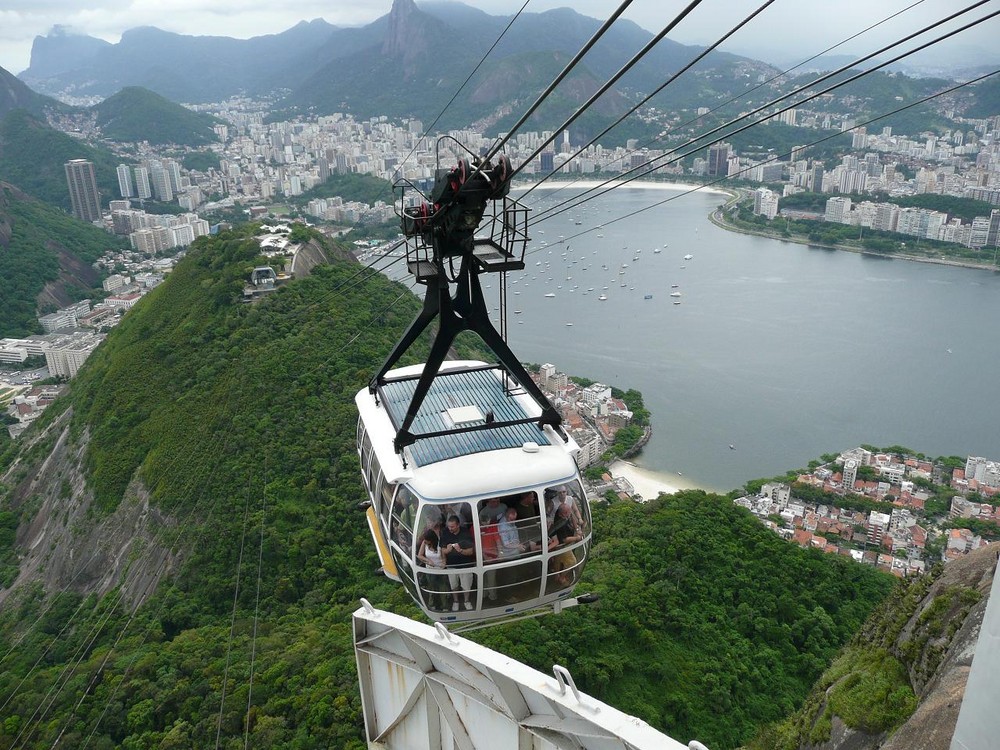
pixel 32 156
pixel 176 65
pixel 16 95
pixel 407 63
pixel 900 683
pixel 45 260
pixel 406 72
pixel 137 114
pixel 198 502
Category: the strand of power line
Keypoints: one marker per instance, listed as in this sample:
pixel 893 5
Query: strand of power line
pixel 659 162
pixel 918 102
pixel 495 149
pixel 613 80
pixel 232 619
pixel 465 83
pixel 221 435
pixel 730 100
pixel 256 606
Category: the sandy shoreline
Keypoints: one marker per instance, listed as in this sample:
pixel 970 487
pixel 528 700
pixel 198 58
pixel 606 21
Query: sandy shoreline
pixel 646 482
pixel 638 184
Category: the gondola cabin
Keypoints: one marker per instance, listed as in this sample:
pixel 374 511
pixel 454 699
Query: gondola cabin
pixel 476 524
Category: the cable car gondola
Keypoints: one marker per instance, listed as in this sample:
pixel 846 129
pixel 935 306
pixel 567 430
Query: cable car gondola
pixel 476 503
pixel 504 510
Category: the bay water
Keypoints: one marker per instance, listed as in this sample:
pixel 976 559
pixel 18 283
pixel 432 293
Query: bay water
pixel 776 353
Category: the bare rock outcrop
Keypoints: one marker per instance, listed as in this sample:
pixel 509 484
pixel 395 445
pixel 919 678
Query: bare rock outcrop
pixel 936 643
pixel 65 543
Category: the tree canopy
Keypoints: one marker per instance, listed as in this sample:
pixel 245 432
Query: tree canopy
pixel 239 421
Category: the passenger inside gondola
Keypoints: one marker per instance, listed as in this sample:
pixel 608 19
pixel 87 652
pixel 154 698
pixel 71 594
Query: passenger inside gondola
pixel 529 522
pixel 490 544
pixel 460 553
pixel 564 532
pixel 432 556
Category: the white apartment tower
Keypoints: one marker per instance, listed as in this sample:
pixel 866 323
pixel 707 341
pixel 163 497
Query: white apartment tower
pixel 125 185
pixel 142 187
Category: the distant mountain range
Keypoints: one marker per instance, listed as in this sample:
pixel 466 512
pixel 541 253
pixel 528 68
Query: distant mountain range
pixel 408 62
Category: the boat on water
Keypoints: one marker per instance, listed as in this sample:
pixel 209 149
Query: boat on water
pixel 677 301
pixel 674 286
pixel 657 250
pixel 517 312
pixel 550 294
pixel 648 296
pixel 569 325
pixel 688 256
pixel 675 294
pixel 603 297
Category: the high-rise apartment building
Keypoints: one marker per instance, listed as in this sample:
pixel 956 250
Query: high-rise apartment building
pixel 83 195
pixel 718 160
pixel 142 188
pixel 126 187
pixel 161 183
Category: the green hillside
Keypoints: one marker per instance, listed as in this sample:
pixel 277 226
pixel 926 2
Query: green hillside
pixel 32 156
pixel 240 422
pixel 42 242
pixel 138 114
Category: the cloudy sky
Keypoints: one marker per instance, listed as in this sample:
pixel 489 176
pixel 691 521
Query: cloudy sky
pixel 787 30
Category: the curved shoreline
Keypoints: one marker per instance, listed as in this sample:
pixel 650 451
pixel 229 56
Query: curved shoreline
pixel 717 217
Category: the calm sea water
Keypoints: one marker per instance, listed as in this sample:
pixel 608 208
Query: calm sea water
pixel 784 352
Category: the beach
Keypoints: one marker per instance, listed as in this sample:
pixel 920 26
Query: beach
pixel 647 483
pixel 641 184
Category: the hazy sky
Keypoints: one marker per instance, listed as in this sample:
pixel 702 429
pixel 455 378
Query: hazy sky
pixel 788 29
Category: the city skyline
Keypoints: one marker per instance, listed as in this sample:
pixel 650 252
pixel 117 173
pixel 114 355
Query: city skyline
pixel 775 36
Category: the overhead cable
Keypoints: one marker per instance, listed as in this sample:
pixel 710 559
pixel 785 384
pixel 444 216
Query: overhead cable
pixel 614 79
pixel 661 161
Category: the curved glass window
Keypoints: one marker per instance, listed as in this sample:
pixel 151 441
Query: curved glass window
pixel 402 519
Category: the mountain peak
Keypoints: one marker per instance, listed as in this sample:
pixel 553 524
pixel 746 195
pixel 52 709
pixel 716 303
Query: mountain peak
pixel 403 31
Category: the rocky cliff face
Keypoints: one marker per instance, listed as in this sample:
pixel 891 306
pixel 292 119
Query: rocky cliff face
pixel 934 637
pixel 64 543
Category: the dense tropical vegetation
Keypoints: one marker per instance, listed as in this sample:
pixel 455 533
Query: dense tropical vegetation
pixel 137 114
pixel 32 156
pixel 239 420
pixel 39 236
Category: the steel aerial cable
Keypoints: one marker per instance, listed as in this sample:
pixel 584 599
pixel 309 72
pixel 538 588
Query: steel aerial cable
pixel 465 83
pixel 222 437
pixel 232 621
pixel 100 668
pixel 87 644
pixel 120 594
pixel 882 116
pixel 256 607
pixel 178 460
pixel 495 149
pixel 656 163
pixel 728 101
pixel 649 165
pixel 65 675
pixel 613 80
